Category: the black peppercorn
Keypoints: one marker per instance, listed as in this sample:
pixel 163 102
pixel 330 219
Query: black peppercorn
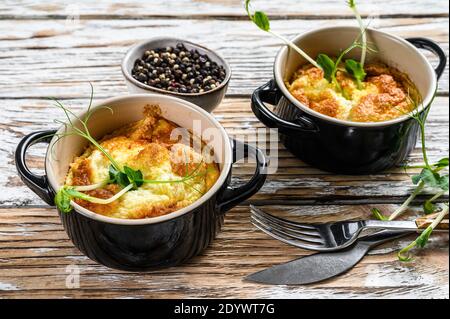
pixel 142 77
pixel 177 69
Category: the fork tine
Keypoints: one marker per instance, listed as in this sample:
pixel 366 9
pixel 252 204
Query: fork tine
pixel 307 235
pixel 295 243
pixel 274 223
pixel 296 227
pixel 287 238
pixel 287 233
pixel 294 224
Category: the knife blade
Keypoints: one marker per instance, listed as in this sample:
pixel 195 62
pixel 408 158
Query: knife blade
pixel 321 266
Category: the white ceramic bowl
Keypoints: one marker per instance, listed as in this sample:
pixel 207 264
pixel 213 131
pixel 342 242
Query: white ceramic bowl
pixel 207 100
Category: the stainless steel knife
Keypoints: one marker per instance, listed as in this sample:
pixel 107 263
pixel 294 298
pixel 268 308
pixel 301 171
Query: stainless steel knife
pixel 322 266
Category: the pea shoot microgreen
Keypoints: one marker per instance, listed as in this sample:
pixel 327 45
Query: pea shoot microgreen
pixel 422 240
pixel 352 67
pixel 429 177
pixel 328 67
pixel 378 214
pixel 352 5
pixel 126 177
pixel 262 21
pixel 323 61
pixel 356 70
pixel 62 200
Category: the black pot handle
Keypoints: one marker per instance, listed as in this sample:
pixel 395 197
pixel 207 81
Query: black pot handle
pixel 430 45
pixel 233 196
pixel 270 93
pixel 37 183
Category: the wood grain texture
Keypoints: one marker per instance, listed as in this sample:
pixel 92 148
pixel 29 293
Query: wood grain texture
pixel 55 49
pixel 214 8
pixel 49 58
pixel 35 251
pixel 293 181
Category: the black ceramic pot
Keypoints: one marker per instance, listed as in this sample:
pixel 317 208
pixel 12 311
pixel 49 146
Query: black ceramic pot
pixel 343 146
pixel 143 244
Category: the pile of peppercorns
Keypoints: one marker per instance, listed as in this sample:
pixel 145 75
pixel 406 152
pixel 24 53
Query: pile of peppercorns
pixel 177 69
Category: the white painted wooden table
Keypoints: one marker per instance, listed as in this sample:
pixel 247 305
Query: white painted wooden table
pixel 43 54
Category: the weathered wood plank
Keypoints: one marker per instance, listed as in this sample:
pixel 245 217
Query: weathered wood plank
pixel 213 8
pixel 49 58
pixel 294 180
pixel 46 55
pixel 35 251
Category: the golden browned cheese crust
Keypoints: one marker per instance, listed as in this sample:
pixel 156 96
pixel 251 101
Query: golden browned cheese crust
pixel 384 94
pixel 146 146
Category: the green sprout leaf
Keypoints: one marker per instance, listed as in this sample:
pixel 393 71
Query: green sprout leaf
pixel 422 240
pixel 432 179
pixel 378 214
pixel 428 207
pixel 404 255
pixel 356 69
pixel 443 182
pixel 62 201
pixel 429 177
pixel 113 172
pixel 330 67
pixel 118 177
pixel 135 177
pixel 127 177
pixel 122 179
pixel 327 65
pixel 442 163
pixel 261 20
pixel 438 166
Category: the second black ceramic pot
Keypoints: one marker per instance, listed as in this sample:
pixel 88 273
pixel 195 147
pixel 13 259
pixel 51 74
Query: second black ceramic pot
pixel 149 243
pixel 343 146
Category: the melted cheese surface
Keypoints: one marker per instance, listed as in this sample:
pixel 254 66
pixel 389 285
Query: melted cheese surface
pixel 382 96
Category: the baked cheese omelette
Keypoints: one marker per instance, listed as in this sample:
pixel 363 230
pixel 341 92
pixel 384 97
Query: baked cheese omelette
pixel 146 146
pixel 384 94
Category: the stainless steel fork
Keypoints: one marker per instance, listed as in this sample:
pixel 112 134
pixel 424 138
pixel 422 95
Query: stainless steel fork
pixel 331 236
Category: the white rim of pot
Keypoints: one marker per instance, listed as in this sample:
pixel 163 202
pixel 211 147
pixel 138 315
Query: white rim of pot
pixel 280 82
pixel 153 220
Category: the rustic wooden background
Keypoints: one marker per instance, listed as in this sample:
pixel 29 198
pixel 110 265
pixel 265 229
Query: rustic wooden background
pixel 43 54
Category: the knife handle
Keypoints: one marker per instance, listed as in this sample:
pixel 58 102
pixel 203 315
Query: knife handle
pixel 425 221
pixel 382 237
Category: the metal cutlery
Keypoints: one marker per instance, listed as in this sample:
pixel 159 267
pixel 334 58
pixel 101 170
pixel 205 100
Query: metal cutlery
pixel 321 266
pixel 330 236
